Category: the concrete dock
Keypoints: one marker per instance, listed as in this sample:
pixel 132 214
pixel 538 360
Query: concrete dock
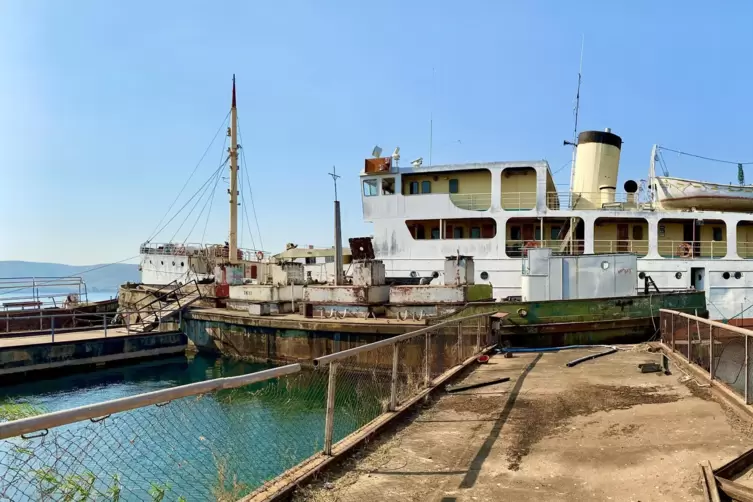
pixel 599 431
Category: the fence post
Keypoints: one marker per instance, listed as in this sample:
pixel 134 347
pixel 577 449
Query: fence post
pixel 460 343
pixel 393 386
pixel 41 325
pixel 427 373
pixel 673 332
pixel 478 335
pixel 711 351
pixel 104 321
pixel 688 334
pixel 747 374
pixel 329 420
pixel 52 328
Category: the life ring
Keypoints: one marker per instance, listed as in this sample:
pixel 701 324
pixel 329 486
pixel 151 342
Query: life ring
pixel 259 255
pixel 685 250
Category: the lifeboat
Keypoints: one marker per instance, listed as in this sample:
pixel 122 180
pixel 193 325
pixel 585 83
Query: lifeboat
pixel 678 193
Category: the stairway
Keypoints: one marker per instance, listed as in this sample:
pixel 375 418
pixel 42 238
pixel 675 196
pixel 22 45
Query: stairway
pixel 165 305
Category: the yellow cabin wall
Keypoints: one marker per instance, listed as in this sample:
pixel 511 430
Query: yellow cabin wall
pixel 478 182
pixel 745 241
pixel 518 189
pixel 605 238
pixel 429 224
pixel 710 247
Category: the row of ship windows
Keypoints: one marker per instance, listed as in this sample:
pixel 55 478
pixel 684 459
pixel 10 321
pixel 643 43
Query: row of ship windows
pixel 371 187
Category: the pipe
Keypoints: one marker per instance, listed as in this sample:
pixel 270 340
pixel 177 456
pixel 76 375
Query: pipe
pixel 523 350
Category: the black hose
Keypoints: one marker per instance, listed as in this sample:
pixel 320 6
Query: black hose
pixel 591 356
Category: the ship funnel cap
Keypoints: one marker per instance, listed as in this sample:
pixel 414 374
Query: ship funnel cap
pixel 605 137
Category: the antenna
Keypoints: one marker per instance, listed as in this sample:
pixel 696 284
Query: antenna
pixel 376 152
pixel 431 115
pixel 335 176
pixel 577 111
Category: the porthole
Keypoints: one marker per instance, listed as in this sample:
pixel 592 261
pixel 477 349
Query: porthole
pixel 641 275
pixel 162 263
pixel 725 275
pixel 413 274
pixel 435 274
pixel 738 275
pixel 484 275
pixel 678 275
pixel 173 264
pixel 182 264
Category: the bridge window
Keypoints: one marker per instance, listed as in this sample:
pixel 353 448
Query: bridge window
pixel 717 236
pixel 388 186
pixel 370 188
pixel 426 187
pixel 454 186
pixel 435 233
pixel 475 232
pixel 457 233
pixel 414 187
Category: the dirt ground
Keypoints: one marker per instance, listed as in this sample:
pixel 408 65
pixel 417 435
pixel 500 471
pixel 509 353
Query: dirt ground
pixel 599 431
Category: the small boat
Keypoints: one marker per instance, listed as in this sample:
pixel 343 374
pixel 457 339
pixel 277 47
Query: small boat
pixel 678 193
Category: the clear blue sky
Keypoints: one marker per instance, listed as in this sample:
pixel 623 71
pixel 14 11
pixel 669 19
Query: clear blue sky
pixel 105 107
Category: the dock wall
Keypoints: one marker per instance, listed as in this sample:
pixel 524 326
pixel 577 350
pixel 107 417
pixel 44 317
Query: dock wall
pixel 47 356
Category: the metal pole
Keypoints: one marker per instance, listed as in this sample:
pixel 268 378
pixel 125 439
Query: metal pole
pixel 52 328
pixel 41 326
pixel 478 334
pixel 329 420
pixel 427 374
pixel 338 246
pixel 688 335
pixel 747 374
pixel 673 332
pixel 460 343
pixel 393 386
pixel 711 351
pixel 104 319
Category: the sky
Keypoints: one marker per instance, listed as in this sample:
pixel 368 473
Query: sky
pixel 106 107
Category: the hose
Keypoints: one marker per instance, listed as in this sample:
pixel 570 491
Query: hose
pixel 523 350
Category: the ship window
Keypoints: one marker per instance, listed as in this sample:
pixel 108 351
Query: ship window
pixel 420 232
pixel 329 259
pixel 457 233
pixel 537 234
pixel 388 186
pixel 426 187
pixel 369 188
pixel 414 187
pixel 475 232
pixel 435 233
pixel 717 233
pixel 637 233
pixel 454 186
pixel 554 233
pixel 310 260
pixel 515 233
pixel 484 275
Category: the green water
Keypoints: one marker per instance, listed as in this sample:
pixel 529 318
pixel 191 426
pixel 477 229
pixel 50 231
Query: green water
pixel 227 442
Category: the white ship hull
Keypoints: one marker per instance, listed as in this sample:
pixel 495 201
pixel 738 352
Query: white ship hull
pixel 677 193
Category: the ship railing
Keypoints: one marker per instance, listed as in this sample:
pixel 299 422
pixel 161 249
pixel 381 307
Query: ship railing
pixel 717 351
pixel 692 249
pixel 20 293
pixel 611 246
pixel 254 435
pixel 472 201
pixel 744 249
pixel 171 248
pixel 47 327
pixel 516 248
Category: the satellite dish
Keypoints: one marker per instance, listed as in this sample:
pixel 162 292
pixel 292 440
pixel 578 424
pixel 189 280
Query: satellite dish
pixel 376 152
pixel 417 162
pixel 396 153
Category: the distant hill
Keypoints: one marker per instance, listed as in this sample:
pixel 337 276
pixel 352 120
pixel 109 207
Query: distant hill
pixel 107 278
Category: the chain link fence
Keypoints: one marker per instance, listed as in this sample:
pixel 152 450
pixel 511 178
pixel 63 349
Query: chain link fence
pixel 721 350
pixel 226 438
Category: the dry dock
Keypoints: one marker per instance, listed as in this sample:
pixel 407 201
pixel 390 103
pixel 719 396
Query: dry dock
pixel 598 431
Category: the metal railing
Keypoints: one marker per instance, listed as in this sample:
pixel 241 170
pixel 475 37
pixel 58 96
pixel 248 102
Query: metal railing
pixel 519 248
pixel 692 249
pixel 226 438
pixel 518 201
pixel 20 293
pixel 722 351
pixel 638 247
pixel 207 250
pixel 472 201
pixel 393 371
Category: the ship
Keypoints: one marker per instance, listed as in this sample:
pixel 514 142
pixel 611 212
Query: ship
pixel 497 211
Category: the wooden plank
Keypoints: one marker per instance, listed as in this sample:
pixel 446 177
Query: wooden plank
pixel 735 491
pixel 710 482
pixel 735 467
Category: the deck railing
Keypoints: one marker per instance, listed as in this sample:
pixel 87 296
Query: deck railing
pixel 722 351
pixel 472 201
pixel 226 438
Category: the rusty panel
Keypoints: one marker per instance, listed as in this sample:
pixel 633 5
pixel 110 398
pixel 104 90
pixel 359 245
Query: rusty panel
pixel 361 248
pixel 378 165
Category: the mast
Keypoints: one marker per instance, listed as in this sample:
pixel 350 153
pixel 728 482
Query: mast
pixel 652 175
pixel 575 127
pixel 233 150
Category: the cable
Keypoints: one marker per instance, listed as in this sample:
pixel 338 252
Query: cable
pixel 705 158
pixel 191 198
pixel 153 234
pixel 203 193
pixel 203 208
pixel 250 193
